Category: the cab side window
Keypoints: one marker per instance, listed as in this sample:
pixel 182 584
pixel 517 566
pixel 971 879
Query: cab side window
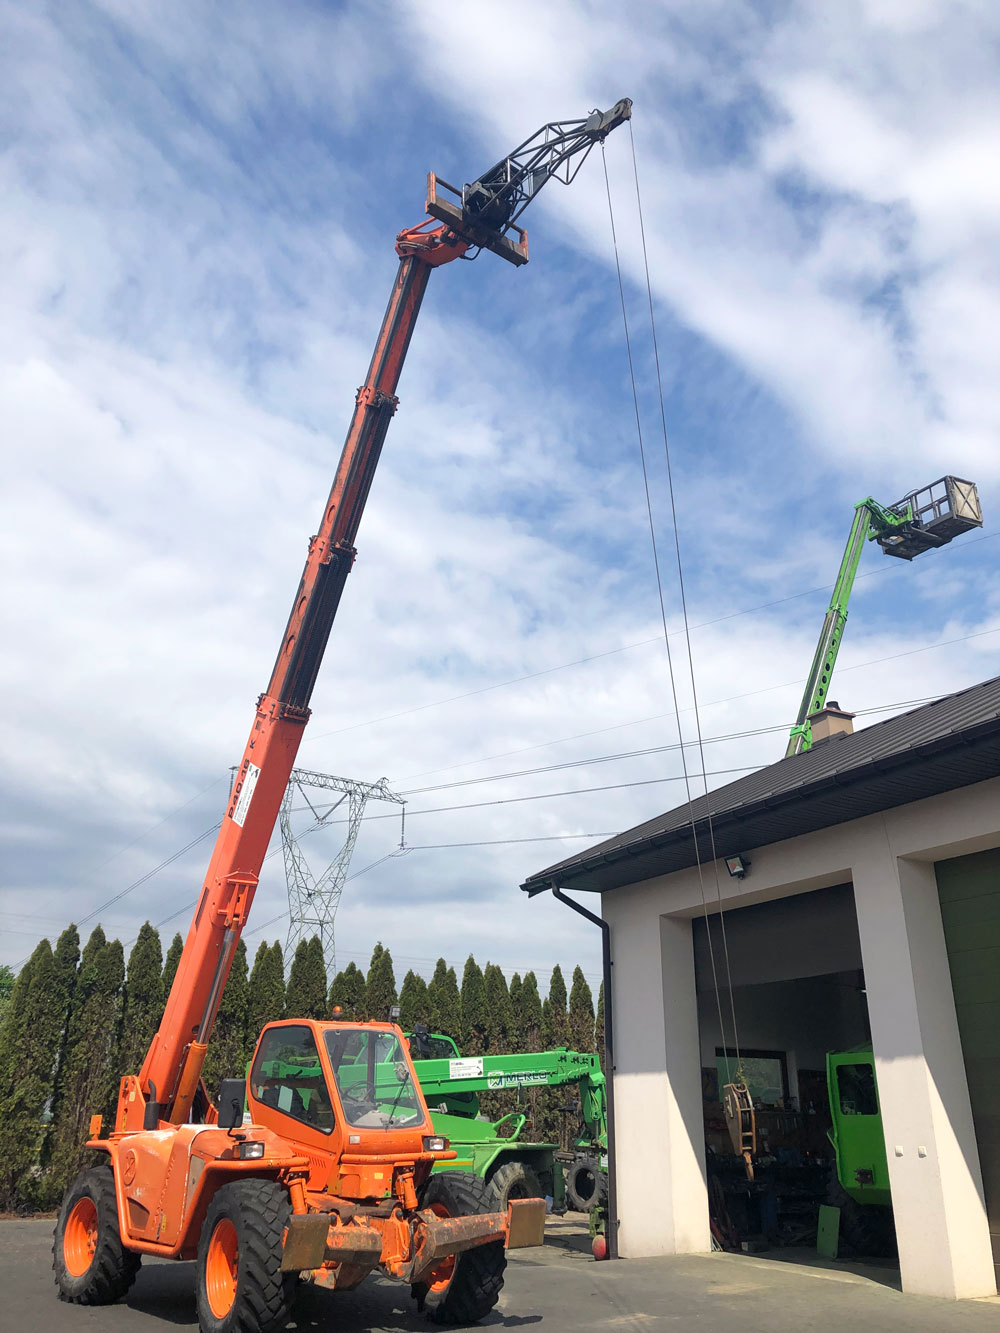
pixel 288 1076
pixel 856 1089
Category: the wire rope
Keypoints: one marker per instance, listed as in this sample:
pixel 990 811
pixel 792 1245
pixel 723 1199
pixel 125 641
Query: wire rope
pixel 624 648
pixel 659 589
pixel 687 631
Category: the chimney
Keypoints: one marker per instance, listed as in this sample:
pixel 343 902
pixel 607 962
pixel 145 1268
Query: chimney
pixel 830 722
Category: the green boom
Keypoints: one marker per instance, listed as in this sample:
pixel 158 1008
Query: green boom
pixel 919 522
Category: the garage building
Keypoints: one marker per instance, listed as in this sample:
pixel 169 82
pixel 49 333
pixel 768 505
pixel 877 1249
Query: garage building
pixel 869 910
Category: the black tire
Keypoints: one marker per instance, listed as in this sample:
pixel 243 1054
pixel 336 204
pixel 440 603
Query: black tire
pixel 257 1211
pixel 513 1180
pixel 112 1268
pixel 868 1229
pixel 586 1185
pixel 476 1278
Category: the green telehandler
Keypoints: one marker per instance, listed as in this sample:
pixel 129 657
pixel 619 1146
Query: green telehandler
pixel 493 1150
pixel 859 1181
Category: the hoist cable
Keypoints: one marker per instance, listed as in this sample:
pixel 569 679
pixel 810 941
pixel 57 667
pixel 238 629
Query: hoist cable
pixel 659 588
pixel 687 628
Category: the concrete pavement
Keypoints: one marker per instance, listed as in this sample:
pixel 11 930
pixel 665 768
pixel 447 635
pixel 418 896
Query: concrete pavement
pixel 557 1288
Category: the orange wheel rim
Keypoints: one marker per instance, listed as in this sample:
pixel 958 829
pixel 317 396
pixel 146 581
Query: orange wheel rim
pixel 80 1236
pixel 221 1268
pixel 445 1271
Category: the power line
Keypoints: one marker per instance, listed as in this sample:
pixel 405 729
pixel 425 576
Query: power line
pixel 656 717
pixel 572 791
pixel 546 795
pixel 714 703
pixel 507 842
pixel 633 754
pixel 149 875
pixel 624 648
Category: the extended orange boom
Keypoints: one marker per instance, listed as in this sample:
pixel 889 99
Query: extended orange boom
pixel 328 1175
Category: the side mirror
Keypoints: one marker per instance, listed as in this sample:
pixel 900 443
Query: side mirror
pixel 232 1098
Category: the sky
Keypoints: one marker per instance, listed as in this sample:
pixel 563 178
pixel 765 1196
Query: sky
pixel 199 206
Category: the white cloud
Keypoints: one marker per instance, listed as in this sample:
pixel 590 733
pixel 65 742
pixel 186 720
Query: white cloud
pixel 190 304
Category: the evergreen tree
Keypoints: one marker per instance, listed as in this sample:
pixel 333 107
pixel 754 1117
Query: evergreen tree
pixel 143 1002
pixel 473 1011
pixel 555 1032
pixel 266 1000
pixel 6 986
pixel 29 1042
pixel 227 1046
pixel 581 1013
pixel 65 959
pixel 348 992
pixel 516 1039
pixel 443 1002
pixel 499 1018
pixel 306 995
pixel 555 1019
pixel 413 1006
pixel 90 1074
pixel 531 1013
pixel 170 964
pixel 320 978
pixel 434 987
pixel 599 1030
pixel 380 986
pixel 531 1027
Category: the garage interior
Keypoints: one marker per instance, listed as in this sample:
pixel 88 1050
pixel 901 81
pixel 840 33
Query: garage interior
pixel 798 993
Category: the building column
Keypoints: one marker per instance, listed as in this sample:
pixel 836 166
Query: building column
pixel 937 1190
pixel 662 1194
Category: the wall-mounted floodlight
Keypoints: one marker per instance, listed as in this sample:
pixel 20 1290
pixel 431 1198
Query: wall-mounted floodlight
pixel 737 866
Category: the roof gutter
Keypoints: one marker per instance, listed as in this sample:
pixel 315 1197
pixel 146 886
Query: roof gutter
pixel 609 1060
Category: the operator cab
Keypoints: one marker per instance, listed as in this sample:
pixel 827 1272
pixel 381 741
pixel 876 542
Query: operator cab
pixel 340 1088
pixel 427 1045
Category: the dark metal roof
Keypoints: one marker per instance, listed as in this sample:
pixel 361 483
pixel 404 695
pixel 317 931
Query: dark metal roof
pixel 950 743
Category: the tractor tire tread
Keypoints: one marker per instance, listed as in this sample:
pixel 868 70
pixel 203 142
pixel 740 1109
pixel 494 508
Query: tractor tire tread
pixel 264 1295
pixel 574 1197
pixel 513 1179
pixel 114 1268
pixel 479 1273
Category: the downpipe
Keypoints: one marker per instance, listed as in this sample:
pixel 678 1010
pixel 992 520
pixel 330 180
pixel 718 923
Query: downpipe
pixel 609 1057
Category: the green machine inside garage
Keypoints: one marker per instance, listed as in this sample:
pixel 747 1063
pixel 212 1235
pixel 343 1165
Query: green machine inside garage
pixel 803 1050
pixel 806 1059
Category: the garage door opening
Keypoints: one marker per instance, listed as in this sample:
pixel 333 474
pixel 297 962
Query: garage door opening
pixel 801 1039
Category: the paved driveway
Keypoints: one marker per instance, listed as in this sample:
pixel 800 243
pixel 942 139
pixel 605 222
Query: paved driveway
pixel 557 1288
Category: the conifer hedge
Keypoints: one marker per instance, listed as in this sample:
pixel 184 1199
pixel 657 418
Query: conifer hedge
pixel 73 1022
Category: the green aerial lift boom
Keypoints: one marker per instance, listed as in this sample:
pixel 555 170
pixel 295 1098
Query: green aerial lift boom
pixel 919 522
pixel 515 1167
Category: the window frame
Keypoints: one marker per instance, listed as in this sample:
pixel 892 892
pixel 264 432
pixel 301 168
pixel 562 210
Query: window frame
pixel 730 1055
pixel 254 1080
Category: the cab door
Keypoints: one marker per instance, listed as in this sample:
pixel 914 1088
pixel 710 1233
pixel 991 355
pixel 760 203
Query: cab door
pixel 288 1092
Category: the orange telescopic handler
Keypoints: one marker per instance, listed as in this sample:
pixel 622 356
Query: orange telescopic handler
pixel 327 1174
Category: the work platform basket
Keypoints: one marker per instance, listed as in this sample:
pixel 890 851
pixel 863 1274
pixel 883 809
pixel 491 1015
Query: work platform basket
pixel 941 511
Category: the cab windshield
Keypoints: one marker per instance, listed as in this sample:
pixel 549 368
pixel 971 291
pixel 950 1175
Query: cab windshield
pixel 373 1079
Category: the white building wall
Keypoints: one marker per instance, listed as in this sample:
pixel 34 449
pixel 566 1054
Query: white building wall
pixel 937 1189
pixel 940 1216
pixel 662 1198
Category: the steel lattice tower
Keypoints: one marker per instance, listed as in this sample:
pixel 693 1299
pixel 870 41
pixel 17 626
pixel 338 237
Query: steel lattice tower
pixel 312 902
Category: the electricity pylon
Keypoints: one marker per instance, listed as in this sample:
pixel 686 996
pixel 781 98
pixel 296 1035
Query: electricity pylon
pixel 312 902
